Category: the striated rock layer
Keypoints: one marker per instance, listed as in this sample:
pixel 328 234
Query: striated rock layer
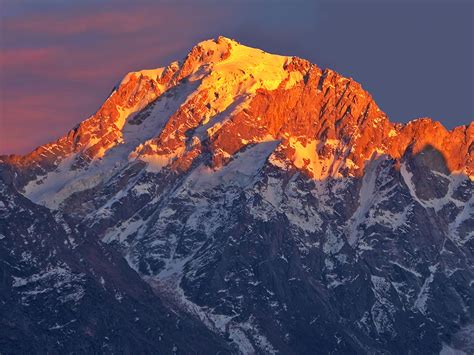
pixel 269 201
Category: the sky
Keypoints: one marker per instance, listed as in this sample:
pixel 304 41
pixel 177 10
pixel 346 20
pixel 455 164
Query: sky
pixel 59 60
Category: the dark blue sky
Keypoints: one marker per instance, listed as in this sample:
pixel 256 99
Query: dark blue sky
pixel 60 59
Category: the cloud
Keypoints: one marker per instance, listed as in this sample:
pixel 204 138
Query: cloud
pixel 89 20
pixel 18 57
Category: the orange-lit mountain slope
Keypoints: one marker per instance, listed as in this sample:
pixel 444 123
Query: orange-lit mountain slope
pixel 225 96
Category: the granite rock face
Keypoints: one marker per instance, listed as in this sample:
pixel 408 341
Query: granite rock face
pixel 241 201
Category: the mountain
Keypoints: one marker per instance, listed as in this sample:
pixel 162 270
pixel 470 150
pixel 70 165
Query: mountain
pixel 262 205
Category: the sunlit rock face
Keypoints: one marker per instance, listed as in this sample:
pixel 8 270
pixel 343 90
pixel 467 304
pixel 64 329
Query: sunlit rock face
pixel 265 200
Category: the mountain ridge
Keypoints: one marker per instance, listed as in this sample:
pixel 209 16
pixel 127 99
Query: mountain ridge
pixel 104 131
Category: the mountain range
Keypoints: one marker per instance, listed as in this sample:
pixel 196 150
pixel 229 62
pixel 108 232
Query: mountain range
pixel 240 202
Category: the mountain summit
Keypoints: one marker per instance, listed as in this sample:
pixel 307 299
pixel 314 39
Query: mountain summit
pixel 268 204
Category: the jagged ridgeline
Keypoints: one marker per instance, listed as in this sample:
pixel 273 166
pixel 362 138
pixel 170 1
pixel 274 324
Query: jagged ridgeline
pixel 256 203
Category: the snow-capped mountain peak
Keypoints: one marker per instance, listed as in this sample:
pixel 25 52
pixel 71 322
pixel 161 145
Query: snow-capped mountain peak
pixel 270 200
pixel 223 97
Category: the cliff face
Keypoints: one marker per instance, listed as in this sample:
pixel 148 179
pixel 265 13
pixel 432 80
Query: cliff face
pixel 273 202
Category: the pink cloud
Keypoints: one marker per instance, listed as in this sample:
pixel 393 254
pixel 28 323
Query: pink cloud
pixel 109 20
pixel 115 21
pixel 15 64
